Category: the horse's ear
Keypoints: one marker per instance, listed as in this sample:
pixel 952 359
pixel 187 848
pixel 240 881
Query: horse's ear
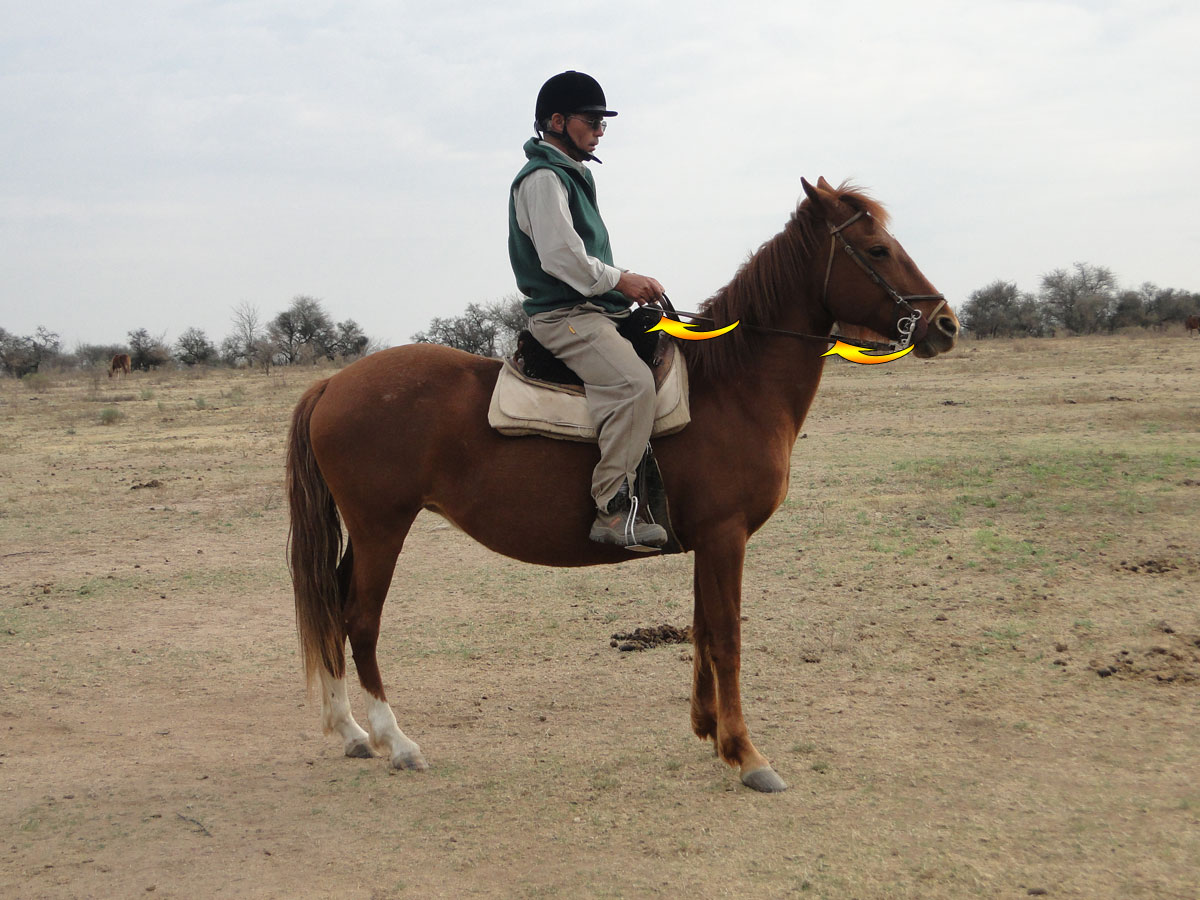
pixel 814 195
pixel 825 185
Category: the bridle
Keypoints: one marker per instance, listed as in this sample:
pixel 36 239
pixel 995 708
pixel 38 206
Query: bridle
pixel 906 325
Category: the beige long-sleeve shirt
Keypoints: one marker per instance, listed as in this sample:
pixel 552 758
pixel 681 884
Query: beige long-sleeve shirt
pixel 544 216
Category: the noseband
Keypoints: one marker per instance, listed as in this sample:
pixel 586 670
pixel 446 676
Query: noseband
pixel 906 324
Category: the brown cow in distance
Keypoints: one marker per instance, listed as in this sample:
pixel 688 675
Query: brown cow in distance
pixel 1193 324
pixel 120 363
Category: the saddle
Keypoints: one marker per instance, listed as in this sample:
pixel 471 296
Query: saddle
pixel 536 393
pixel 538 363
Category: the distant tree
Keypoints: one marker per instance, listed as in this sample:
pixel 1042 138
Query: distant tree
pixel 348 340
pixel 484 329
pixel 1001 309
pixel 374 345
pixel 473 331
pixel 1083 300
pixel 46 344
pixel 302 331
pixel 194 348
pixel 232 352
pixel 147 352
pixel 511 320
pixel 248 344
pixel 1130 311
pixel 23 355
pixel 1166 306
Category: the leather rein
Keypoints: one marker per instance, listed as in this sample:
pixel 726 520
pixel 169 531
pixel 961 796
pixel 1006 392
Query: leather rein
pixel 906 325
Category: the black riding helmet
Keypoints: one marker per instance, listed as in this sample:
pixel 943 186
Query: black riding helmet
pixel 570 92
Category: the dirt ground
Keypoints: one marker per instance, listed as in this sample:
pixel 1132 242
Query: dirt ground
pixel 972 647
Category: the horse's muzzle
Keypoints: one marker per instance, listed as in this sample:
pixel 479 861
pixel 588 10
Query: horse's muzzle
pixel 940 336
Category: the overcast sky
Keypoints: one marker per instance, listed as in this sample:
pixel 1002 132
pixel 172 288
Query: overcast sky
pixel 162 162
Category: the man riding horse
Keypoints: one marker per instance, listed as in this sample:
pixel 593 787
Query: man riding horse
pixel 575 296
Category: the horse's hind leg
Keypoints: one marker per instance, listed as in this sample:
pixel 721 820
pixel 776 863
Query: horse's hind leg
pixel 335 703
pixel 336 716
pixel 374 564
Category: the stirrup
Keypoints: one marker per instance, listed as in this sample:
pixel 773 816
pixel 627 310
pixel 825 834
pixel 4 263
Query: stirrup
pixel 625 523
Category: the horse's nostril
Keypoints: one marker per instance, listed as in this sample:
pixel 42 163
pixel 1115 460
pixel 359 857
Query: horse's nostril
pixel 947 325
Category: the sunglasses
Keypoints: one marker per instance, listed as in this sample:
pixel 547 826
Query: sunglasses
pixel 596 124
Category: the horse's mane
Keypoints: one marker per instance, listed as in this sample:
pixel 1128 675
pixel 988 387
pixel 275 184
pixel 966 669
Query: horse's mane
pixel 771 279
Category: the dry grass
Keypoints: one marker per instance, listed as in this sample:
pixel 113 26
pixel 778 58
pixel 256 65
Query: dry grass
pixel 966 544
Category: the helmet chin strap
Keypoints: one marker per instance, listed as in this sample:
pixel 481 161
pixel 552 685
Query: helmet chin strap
pixel 570 142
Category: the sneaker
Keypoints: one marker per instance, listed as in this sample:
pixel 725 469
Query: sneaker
pixel 626 524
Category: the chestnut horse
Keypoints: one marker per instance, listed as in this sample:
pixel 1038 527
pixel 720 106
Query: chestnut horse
pixel 1192 324
pixel 406 429
pixel 120 365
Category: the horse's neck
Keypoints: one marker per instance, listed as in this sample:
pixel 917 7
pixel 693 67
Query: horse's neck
pixel 773 388
pixel 775 385
pixel 780 384
pixel 789 368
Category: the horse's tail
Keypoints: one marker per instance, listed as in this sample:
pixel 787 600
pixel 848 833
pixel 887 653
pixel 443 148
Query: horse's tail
pixel 314 545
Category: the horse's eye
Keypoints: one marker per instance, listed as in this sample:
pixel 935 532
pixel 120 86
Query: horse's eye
pixel 878 252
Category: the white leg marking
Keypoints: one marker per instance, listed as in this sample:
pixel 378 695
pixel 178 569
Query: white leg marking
pixel 336 716
pixel 388 739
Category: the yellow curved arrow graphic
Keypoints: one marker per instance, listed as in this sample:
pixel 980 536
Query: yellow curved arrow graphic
pixel 683 330
pixel 856 355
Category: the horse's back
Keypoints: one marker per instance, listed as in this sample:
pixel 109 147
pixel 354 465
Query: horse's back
pixel 419 365
pixel 412 382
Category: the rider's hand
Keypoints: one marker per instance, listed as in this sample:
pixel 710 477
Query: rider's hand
pixel 639 288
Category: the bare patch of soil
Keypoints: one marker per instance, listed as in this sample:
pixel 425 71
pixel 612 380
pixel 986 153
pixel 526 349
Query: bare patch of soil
pixel 1173 658
pixel 1149 567
pixel 1172 558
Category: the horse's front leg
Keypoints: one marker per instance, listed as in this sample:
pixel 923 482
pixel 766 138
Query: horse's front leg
pixel 718 586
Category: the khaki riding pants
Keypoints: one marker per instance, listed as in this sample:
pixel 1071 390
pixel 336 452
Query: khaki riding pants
pixel 618 385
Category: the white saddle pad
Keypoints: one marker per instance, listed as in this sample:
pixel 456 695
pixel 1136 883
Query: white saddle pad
pixel 520 405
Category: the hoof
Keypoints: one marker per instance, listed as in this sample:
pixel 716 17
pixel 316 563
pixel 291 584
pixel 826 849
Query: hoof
pixel 765 780
pixel 413 761
pixel 359 750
